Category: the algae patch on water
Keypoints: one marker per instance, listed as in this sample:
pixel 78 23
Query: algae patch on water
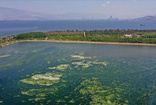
pixel 84 65
pixel 61 67
pixel 52 68
pixel 46 79
pixel 88 63
pixel 42 92
pixel 79 57
pixel 79 62
pixel 4 56
pixel 100 94
pixel 39 95
pixel 100 63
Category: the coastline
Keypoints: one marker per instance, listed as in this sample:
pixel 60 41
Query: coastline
pixel 91 42
pixel 72 41
pixel 9 43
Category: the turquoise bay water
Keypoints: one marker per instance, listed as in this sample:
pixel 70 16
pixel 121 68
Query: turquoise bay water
pixel 63 73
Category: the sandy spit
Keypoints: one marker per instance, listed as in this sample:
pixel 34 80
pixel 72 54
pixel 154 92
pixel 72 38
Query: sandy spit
pixel 70 41
pixel 90 42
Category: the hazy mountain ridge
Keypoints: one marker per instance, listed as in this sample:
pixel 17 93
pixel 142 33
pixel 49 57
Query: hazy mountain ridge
pixel 16 14
pixel 152 18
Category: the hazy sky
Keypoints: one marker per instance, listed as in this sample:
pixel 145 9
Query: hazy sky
pixel 86 8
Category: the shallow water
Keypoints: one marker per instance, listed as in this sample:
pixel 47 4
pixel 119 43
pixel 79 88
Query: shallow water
pixel 62 73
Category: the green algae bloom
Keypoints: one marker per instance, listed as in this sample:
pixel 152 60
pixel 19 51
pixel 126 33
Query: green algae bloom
pixel 39 95
pixel 100 63
pixel 61 75
pixel 62 67
pixel 88 63
pixel 79 57
pixel 4 56
pixel 47 76
pixel 100 94
pixel 52 68
pixel 46 79
pixel 84 65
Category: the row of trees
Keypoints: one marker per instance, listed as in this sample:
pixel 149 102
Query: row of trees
pixel 146 36
pixel 105 39
pixel 32 35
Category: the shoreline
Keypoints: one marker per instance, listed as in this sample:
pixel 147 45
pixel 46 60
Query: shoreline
pixel 90 42
pixel 72 41
pixel 9 43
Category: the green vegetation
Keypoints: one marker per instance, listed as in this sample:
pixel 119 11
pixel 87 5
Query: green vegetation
pixel 137 36
pixel 31 35
pixel 124 36
pixel 7 40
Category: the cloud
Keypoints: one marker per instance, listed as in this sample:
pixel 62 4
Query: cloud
pixel 105 4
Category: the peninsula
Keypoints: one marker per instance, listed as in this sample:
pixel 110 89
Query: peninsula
pixel 124 37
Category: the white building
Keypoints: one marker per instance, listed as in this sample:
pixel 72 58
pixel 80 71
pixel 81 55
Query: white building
pixel 128 35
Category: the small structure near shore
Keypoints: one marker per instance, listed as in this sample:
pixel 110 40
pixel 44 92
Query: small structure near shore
pixel 131 35
pixel 84 34
pixel 46 38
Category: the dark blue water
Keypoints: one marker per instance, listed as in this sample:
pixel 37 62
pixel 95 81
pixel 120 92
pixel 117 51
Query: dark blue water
pixel 16 27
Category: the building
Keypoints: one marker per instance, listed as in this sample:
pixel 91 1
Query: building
pixel 128 35
pixel 131 35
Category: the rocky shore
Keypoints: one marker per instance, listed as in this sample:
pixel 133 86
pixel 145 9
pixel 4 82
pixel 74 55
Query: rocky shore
pixel 8 43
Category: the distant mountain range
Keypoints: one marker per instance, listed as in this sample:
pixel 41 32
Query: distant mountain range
pixel 16 14
pixel 152 18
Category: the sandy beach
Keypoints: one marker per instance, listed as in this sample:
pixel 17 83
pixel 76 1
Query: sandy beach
pixel 71 41
pixel 90 42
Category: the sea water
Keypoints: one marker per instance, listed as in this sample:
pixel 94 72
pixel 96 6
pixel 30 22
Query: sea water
pixel 67 73
pixel 8 28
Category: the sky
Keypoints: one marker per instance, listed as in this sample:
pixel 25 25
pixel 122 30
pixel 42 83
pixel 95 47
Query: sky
pixel 87 9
